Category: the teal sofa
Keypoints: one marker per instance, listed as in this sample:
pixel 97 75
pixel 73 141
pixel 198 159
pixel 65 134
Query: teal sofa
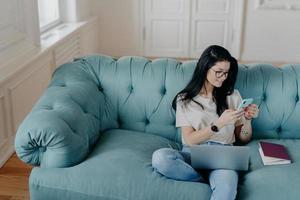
pixel 92 133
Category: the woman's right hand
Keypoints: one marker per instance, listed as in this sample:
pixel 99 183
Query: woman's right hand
pixel 229 116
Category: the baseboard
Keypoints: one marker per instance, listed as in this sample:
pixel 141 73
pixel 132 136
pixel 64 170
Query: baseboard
pixel 8 149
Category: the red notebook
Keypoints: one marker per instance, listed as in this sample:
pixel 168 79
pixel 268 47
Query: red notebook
pixel 272 153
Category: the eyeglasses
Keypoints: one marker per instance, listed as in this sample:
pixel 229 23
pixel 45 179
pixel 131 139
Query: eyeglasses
pixel 219 74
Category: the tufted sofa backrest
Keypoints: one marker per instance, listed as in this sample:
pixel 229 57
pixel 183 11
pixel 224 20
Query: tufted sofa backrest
pixel 97 93
pixel 276 91
pixel 138 94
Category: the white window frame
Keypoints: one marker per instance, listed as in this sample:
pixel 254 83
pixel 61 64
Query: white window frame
pixel 54 23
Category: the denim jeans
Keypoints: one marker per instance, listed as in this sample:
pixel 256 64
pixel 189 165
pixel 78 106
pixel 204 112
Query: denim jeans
pixel 175 164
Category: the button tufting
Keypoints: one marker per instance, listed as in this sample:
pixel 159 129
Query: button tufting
pixel 297 98
pixel 48 107
pixel 264 97
pixel 278 129
pixel 72 129
pixel 119 120
pixel 163 91
pixel 147 121
pixel 100 88
pixel 61 85
pixel 42 149
pixel 131 89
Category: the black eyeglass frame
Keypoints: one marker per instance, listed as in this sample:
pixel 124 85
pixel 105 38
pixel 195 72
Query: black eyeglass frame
pixel 220 74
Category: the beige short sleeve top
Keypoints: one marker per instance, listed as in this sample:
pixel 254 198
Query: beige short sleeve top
pixel 193 115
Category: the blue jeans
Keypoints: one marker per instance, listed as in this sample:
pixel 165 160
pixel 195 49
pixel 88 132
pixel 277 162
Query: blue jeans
pixel 175 164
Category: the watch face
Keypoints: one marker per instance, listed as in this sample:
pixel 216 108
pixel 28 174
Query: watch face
pixel 214 128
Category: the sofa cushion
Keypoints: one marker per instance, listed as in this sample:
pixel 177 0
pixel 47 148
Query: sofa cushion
pixel 272 182
pixel 118 168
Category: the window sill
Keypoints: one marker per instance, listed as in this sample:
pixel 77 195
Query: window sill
pixel 56 35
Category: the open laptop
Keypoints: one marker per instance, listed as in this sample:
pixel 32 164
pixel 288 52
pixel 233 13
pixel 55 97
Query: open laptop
pixel 220 157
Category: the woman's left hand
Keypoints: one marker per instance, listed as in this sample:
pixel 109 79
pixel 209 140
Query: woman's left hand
pixel 251 111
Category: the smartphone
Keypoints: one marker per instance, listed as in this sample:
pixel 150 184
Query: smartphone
pixel 245 103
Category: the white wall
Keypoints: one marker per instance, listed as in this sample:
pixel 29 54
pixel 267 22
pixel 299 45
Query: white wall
pixel 75 10
pixel 271 35
pixel 19 31
pixel 118 26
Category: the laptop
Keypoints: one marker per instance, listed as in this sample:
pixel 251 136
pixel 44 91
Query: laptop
pixel 220 157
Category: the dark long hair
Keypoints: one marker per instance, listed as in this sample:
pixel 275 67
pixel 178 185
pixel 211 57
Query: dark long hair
pixel 209 57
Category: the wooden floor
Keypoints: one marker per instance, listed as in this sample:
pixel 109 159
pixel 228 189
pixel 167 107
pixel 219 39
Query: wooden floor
pixel 14 180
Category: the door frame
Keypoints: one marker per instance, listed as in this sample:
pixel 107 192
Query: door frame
pixel 239 27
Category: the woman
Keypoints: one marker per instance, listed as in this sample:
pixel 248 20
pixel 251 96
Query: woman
pixel 206 112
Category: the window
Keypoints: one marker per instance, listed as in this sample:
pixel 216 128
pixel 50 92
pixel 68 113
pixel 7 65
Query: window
pixel 49 14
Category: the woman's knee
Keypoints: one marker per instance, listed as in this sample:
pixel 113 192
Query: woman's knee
pixel 170 163
pixel 162 157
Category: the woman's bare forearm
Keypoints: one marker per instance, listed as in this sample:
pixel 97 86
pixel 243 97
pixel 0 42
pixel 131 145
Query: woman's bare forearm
pixel 244 132
pixel 199 136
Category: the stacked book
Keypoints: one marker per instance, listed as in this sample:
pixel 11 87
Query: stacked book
pixel 273 154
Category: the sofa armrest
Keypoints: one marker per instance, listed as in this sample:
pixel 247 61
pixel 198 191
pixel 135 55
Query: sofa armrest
pixel 65 123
